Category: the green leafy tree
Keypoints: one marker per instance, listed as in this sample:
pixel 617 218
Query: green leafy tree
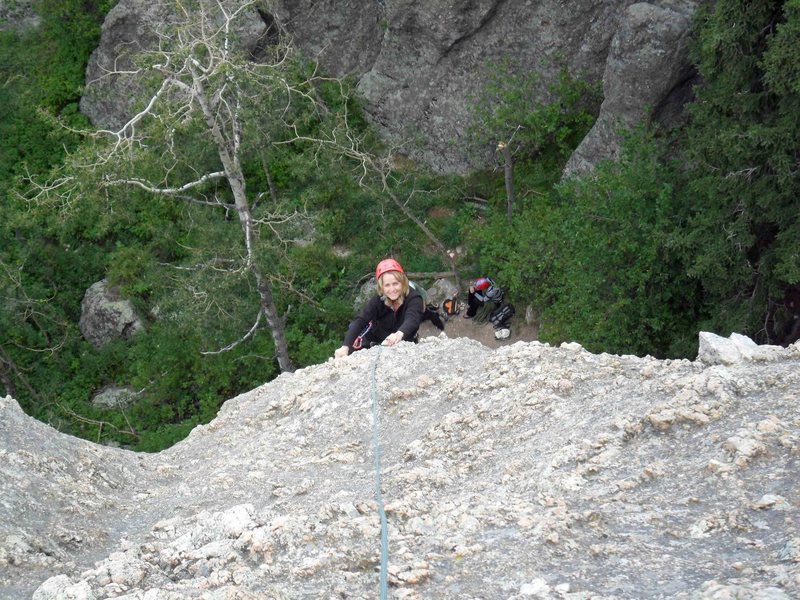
pixel 742 199
pixel 532 139
pixel 596 259
pixel 200 138
pixel 617 283
pixel 41 74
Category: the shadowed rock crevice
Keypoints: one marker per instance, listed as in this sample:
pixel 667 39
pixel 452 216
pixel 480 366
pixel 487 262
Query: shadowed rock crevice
pixel 670 111
pixel 485 19
pixel 270 37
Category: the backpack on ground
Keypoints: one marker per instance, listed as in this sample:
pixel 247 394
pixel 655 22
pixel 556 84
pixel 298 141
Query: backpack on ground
pixel 501 314
pixel 450 306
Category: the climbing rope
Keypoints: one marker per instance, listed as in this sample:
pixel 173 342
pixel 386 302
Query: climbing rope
pixel 378 495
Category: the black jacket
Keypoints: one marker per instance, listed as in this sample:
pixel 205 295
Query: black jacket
pixel 386 321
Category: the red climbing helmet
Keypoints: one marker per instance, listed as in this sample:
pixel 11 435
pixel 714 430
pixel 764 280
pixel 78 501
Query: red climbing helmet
pixel 386 265
pixel 483 284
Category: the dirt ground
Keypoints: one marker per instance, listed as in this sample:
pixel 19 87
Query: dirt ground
pixel 458 326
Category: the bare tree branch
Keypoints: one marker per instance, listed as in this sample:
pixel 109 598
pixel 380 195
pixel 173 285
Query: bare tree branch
pixel 173 191
pixel 30 313
pixel 233 345
pixel 67 410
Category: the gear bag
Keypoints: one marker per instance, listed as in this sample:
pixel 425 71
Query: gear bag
pixel 451 306
pixel 501 314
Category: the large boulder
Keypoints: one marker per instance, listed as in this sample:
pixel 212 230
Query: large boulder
pixel 716 350
pixel 112 397
pixel 114 88
pixel 18 14
pixel 647 69
pixel 106 316
pixel 420 64
pixel 441 290
pixel 111 94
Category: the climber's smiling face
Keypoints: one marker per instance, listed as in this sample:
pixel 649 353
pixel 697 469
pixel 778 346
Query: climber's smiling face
pixel 392 286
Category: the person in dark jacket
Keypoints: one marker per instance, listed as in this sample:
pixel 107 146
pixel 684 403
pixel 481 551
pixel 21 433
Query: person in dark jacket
pixel 484 294
pixel 485 303
pixel 391 316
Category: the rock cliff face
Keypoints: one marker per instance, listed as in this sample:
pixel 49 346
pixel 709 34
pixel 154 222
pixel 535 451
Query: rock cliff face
pixel 420 63
pixel 114 91
pixel 647 76
pixel 524 472
pixel 105 316
pixel 17 14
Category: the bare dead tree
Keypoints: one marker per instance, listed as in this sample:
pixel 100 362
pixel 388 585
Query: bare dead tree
pixel 508 169
pixel 203 79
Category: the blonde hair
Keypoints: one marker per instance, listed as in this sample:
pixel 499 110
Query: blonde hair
pixel 401 277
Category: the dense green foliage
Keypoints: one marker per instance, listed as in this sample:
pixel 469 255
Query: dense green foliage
pixel 40 279
pixel 692 229
pixel 541 135
pixel 695 228
pixel 742 193
pixel 179 262
pixel 595 258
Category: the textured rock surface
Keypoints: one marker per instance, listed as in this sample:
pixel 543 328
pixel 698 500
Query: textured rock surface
pixel 59 499
pixel 113 90
pixel 105 316
pixel 524 472
pixel 17 14
pixel 419 64
pixel 647 67
pixel 114 397
pixel 714 349
pixel 344 35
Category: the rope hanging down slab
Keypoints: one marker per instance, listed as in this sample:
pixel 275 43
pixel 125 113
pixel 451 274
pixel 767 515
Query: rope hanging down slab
pixel 376 444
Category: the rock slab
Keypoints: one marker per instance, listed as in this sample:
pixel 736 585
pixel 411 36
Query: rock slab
pixel 524 472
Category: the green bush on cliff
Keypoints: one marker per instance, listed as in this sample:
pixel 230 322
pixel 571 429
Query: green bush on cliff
pixel 741 198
